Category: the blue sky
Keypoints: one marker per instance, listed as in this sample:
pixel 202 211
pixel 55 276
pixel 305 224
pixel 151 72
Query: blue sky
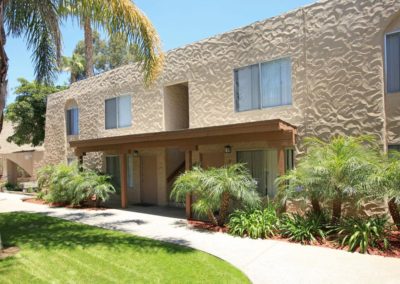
pixel 178 22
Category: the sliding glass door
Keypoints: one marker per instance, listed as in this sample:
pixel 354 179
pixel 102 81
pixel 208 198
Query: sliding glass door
pixel 263 166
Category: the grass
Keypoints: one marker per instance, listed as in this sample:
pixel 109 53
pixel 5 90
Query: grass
pixel 58 251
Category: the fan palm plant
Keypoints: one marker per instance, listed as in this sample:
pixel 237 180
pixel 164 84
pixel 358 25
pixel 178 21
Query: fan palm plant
pixel 118 17
pixel 214 189
pixel 333 170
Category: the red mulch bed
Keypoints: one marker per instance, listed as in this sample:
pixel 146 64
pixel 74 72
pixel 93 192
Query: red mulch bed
pixel 393 251
pixel 203 225
pixel 59 204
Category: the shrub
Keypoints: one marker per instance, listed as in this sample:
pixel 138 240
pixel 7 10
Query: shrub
pixel 259 223
pixel 12 186
pixel 215 188
pixel 304 229
pixel 70 185
pixel 333 171
pixel 362 233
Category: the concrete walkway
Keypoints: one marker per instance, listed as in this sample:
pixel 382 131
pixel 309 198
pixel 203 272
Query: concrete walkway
pixel 263 261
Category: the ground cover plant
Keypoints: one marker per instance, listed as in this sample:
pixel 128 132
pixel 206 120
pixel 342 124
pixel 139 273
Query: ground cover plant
pixel 305 229
pixel 55 250
pixel 258 223
pixel 362 234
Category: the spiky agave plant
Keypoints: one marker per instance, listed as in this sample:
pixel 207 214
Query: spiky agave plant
pixel 214 188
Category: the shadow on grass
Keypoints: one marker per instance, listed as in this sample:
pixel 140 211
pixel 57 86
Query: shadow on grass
pixel 43 232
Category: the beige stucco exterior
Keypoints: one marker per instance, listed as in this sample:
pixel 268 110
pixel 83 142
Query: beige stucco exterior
pixel 338 83
pixel 28 158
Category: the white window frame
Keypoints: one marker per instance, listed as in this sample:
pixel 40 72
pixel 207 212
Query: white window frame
pixel 386 61
pixel 117 112
pixel 261 102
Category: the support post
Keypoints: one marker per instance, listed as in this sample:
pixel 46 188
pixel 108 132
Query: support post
pixel 281 171
pixel 124 181
pixel 281 161
pixel 188 167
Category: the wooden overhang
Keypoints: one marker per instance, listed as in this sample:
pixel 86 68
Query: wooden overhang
pixel 276 132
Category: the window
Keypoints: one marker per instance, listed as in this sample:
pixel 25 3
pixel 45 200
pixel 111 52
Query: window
pixel 113 170
pixel 393 148
pixel 289 159
pixel 72 121
pixel 71 160
pixel 118 112
pixel 263 85
pixel 393 62
pixel 263 167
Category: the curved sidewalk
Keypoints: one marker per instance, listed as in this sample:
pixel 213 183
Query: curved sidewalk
pixel 263 261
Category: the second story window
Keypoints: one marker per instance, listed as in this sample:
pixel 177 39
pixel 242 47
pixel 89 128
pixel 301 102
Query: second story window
pixel 263 85
pixel 118 112
pixel 72 120
pixel 393 62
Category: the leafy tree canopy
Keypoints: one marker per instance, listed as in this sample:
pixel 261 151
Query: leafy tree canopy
pixel 28 112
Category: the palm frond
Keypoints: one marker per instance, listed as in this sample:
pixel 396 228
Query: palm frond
pixel 38 22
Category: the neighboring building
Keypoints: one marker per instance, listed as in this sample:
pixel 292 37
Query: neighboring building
pixel 18 163
pixel 249 95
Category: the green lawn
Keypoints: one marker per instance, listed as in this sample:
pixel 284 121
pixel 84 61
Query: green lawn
pixel 58 251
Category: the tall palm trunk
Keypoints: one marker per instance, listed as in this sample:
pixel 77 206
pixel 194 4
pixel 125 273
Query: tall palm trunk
pixel 394 212
pixel 88 47
pixel 3 64
pixel 337 209
pixel 223 211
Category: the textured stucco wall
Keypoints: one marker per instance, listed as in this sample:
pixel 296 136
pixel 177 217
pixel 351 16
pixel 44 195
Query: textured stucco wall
pixel 176 107
pixel 337 54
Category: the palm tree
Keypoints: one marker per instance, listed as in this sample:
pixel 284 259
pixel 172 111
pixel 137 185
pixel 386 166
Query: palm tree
pixel 75 65
pixel 214 189
pixel 38 22
pixel 332 171
pixel 118 16
pixel 386 182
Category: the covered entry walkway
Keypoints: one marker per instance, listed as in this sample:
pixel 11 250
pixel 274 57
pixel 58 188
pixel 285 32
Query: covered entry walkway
pixel 199 145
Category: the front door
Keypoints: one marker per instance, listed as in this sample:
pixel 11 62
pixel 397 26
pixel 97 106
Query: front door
pixel 148 183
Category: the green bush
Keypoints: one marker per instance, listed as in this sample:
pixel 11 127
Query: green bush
pixel 304 229
pixel 259 223
pixel 357 233
pixel 215 190
pixel 70 185
pixel 12 186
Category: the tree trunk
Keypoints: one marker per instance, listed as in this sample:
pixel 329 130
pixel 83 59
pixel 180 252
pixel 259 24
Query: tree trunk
pixel 212 218
pixel 88 47
pixel 223 210
pixel 316 206
pixel 336 209
pixel 394 212
pixel 3 65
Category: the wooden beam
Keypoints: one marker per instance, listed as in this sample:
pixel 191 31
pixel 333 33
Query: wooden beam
pixel 124 181
pixel 188 167
pixel 281 161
